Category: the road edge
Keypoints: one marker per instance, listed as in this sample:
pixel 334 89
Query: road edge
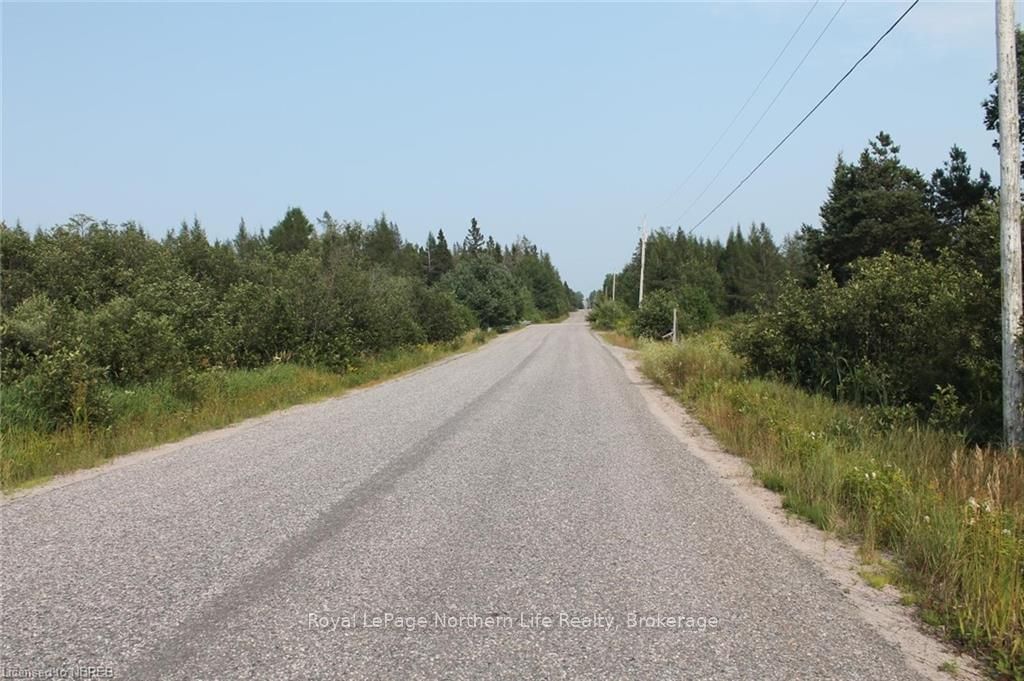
pixel 215 434
pixel 879 608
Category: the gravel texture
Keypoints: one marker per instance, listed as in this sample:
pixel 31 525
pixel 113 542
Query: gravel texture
pixel 526 479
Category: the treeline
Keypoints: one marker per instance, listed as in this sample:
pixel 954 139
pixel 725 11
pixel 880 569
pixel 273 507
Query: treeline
pixel 88 306
pixel 893 301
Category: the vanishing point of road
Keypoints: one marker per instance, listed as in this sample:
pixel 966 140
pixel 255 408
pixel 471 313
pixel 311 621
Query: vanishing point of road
pixel 513 512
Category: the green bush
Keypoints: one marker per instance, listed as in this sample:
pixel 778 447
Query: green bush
pixel 31 330
pixel 387 316
pixel 442 317
pixel 609 315
pixel 694 312
pixel 654 318
pixel 132 343
pixel 485 287
pixel 904 330
pixel 62 390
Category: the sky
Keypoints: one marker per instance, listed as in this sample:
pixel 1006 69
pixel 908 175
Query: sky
pixel 567 123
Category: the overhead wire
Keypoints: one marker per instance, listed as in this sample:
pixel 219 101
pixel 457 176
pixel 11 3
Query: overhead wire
pixel 764 113
pixel 806 116
pixel 743 108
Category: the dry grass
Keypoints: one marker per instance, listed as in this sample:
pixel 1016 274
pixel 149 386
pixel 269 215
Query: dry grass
pixel 620 339
pixel 952 515
pixel 153 413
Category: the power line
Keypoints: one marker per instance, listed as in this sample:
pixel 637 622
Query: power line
pixel 806 116
pixel 741 109
pixel 761 118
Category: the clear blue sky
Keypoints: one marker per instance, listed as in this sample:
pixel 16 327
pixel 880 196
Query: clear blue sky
pixel 564 122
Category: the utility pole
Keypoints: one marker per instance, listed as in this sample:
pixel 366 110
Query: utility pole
pixel 613 287
pixel 643 259
pixel 1009 220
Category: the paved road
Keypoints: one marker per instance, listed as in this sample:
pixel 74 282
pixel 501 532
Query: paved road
pixel 525 479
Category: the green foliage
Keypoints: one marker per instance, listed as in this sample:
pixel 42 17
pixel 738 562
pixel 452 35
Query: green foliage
pixel 485 287
pixel 63 389
pixel 610 315
pixel 954 193
pixel 544 292
pixel 880 493
pixel 731 278
pixel 130 341
pixel 90 309
pixel 474 243
pixel 292 234
pixel 654 318
pixel 751 269
pixel 443 317
pixel 902 327
pixel 874 206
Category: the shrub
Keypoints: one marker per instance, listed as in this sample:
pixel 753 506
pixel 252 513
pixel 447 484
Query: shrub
pixel 131 342
pixel 904 330
pixel 609 315
pixel 442 317
pixel 62 390
pixel 485 287
pixel 695 312
pixel 654 318
pixel 32 329
pixel 386 317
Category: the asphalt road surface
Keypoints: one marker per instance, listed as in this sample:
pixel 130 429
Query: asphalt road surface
pixel 461 505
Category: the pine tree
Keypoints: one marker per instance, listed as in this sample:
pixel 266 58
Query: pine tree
pixel 494 249
pixel 873 206
pixel 292 234
pixel 954 193
pixel 437 257
pixel 474 241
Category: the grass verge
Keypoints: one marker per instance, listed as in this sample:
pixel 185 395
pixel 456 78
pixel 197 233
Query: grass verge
pixel 950 514
pixel 163 411
pixel 620 339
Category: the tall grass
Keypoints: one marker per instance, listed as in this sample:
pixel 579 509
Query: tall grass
pixel 165 411
pixel 952 515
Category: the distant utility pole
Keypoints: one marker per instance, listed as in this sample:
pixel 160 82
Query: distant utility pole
pixel 613 287
pixel 643 259
pixel 1009 221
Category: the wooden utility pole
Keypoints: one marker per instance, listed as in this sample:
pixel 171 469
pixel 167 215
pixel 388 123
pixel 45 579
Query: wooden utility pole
pixel 613 287
pixel 643 259
pixel 1009 221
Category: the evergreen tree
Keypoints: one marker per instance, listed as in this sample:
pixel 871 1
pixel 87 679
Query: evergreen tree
pixel 474 241
pixel 383 242
pixel 442 256
pixel 292 234
pixel 494 249
pixel 954 193
pixel 873 206
pixel 739 276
